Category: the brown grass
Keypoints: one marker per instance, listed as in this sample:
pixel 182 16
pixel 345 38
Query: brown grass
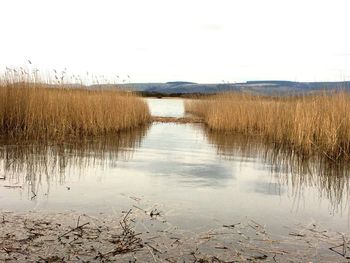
pixel 306 124
pixel 35 110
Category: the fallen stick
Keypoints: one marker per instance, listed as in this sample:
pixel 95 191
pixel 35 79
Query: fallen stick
pixel 154 249
pixel 76 228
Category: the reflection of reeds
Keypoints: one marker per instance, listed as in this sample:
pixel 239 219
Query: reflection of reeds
pixel 307 124
pixel 35 163
pixel 332 180
pixel 32 109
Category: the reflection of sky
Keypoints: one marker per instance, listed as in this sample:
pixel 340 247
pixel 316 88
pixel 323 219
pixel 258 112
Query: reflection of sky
pixel 266 188
pixel 176 166
pixel 208 174
pixel 163 153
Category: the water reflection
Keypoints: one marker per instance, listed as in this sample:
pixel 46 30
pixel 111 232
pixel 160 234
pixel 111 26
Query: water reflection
pixel 329 178
pixel 191 174
pixel 29 165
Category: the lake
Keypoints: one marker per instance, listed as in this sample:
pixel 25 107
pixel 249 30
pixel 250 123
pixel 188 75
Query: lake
pixel 199 179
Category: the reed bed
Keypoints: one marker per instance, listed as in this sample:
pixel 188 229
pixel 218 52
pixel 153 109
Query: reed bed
pixel 310 124
pixel 32 109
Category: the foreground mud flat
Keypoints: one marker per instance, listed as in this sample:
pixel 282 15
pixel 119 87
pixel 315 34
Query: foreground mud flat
pixel 144 235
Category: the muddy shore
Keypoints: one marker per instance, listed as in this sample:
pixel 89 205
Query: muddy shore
pixel 140 235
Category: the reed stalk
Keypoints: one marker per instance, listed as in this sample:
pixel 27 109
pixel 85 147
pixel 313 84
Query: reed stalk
pixel 307 124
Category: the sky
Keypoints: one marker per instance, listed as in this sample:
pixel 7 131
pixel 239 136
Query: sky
pixel 184 40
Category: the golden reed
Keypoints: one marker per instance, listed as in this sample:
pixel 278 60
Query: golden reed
pixel 309 124
pixel 32 109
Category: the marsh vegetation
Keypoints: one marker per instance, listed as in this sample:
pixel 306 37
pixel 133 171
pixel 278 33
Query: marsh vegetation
pixel 31 108
pixel 308 125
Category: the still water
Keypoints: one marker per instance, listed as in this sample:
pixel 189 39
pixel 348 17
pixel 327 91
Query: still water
pixel 197 178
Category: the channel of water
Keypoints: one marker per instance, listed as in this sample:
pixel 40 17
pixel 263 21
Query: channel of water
pixel 199 179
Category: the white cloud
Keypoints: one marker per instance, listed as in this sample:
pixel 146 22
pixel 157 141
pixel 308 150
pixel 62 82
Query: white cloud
pixel 158 40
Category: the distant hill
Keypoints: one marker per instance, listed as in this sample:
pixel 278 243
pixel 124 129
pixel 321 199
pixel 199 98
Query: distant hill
pixel 179 82
pixel 268 87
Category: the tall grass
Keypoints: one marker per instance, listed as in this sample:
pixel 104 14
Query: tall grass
pixel 33 109
pixel 307 124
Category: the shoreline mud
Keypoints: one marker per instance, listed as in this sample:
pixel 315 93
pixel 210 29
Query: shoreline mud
pixel 146 236
pixel 177 119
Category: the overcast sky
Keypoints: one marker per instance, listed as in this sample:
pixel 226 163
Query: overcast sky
pixel 161 40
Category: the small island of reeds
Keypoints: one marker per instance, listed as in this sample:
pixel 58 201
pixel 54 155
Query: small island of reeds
pixel 34 109
pixel 307 124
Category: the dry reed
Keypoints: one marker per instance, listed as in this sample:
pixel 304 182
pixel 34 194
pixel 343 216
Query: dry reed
pixel 310 124
pixel 32 109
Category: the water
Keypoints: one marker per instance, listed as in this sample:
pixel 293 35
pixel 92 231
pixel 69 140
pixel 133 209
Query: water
pixel 198 179
pixel 166 107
